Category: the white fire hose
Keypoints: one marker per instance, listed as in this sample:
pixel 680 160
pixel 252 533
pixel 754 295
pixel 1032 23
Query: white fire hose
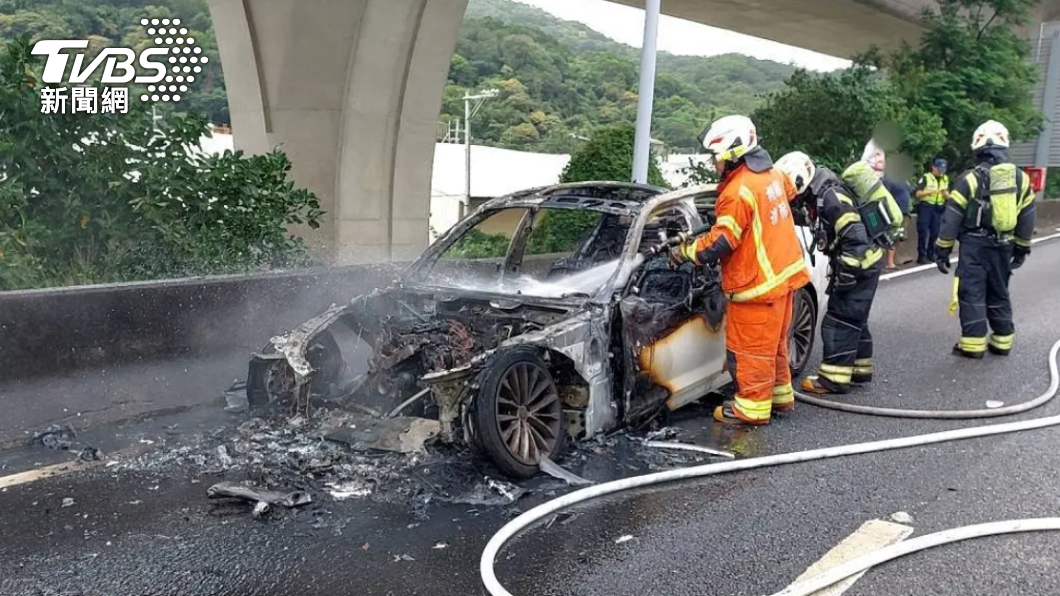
pixel 841 572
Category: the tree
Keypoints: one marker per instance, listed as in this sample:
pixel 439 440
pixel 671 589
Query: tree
pixel 91 198
pixel 830 117
pixel 608 156
pixel 970 66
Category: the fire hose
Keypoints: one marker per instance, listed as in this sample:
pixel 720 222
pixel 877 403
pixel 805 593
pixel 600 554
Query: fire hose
pixel 855 566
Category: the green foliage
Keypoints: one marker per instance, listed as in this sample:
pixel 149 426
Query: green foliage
pixel 87 198
pixel 117 23
pixel 560 85
pixel 560 230
pixel 697 173
pixel 555 86
pixel 969 66
pixel 830 117
pixel 608 155
pixel 476 244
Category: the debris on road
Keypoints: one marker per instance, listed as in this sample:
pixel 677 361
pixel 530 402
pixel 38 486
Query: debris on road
pixel 902 518
pixel 262 499
pixel 236 398
pixel 340 491
pixel 64 438
pixel 59 438
pixel 556 471
pixel 364 433
pixel 622 539
pixel 68 502
pixel 688 447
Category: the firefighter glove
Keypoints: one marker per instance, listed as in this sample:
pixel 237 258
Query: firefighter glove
pixel 1019 255
pixel 942 259
pixel 682 253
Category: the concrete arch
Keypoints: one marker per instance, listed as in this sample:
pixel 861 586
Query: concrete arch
pixel 351 90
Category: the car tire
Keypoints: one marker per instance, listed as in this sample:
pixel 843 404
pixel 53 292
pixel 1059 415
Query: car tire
pixel 803 331
pixel 515 379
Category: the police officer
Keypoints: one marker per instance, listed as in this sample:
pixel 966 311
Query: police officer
pixel 856 263
pixel 991 211
pixel 931 193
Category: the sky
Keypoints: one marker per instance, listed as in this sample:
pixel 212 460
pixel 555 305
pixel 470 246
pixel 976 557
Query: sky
pixel 626 24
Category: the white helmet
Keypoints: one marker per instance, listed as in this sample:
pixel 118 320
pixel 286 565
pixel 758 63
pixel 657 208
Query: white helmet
pixel 729 138
pixel 989 133
pixel 798 167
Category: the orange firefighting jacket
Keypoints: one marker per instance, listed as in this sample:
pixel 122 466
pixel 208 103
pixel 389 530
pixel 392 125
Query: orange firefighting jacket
pixel 764 260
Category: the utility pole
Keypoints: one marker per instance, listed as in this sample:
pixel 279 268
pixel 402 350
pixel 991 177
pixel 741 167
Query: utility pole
pixel 468 113
pixel 646 93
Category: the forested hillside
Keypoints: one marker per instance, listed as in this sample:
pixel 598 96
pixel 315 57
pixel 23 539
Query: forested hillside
pixel 558 79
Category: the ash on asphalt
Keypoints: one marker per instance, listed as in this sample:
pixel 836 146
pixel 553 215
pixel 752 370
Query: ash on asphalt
pixel 289 454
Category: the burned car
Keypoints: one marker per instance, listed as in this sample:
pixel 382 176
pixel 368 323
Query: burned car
pixel 542 317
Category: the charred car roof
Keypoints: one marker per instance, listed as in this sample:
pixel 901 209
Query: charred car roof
pixel 624 198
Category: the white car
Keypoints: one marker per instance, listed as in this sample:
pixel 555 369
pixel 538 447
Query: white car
pixel 537 319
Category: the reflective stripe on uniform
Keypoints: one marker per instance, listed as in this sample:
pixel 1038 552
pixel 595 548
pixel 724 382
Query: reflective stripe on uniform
pixel 944 243
pixel 863 366
pixel 751 410
pixel 845 220
pixel 1021 242
pixel 783 394
pixel 972 345
pixel 1002 342
pixel 835 373
pixel 872 256
pixel 756 228
pixel 959 198
pixel 729 223
pixel 773 279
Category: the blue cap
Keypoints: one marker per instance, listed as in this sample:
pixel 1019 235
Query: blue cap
pixel 940 164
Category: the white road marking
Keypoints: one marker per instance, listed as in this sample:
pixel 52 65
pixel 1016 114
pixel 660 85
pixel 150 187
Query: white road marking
pixel 872 535
pixel 63 468
pixel 920 268
pixel 44 472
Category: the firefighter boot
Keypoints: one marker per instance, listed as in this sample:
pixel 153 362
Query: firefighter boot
pixel 862 371
pixel 957 351
pixel 822 386
pixel 726 414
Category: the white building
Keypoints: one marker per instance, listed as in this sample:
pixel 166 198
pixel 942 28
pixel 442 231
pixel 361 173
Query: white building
pixel 494 173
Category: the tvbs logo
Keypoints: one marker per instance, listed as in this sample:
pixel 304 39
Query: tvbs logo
pixel 174 59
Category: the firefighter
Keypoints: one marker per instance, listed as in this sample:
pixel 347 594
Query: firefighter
pixel 762 265
pixel 855 264
pixel 991 210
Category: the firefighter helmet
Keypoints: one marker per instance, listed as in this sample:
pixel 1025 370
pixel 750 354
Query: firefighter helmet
pixel 990 133
pixel 799 168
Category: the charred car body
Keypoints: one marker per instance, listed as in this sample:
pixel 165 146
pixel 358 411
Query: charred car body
pixel 535 320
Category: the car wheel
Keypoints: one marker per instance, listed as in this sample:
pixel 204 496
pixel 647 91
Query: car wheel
pixel 518 413
pixel 803 331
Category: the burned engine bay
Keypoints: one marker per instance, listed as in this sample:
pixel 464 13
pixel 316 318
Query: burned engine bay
pixel 401 335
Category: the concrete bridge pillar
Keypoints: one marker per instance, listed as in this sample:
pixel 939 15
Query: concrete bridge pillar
pixel 351 91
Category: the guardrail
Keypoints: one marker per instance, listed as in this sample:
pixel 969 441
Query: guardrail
pixel 52 331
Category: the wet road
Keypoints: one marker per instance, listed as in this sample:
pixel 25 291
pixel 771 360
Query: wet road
pixel 749 533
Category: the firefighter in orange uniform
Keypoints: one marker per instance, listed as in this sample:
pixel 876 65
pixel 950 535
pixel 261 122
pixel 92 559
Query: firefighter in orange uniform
pixel 762 265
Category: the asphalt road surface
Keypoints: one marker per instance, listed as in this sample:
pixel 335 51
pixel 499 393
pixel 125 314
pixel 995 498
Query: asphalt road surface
pixel 749 533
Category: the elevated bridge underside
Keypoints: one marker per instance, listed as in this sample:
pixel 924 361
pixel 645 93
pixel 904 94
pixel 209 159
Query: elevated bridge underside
pixel 351 90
